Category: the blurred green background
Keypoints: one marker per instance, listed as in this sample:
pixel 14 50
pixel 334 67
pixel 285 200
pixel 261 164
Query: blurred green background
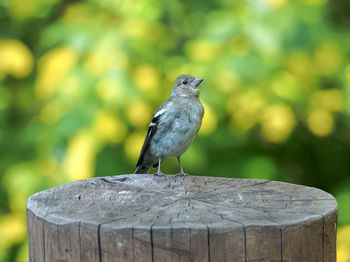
pixel 79 81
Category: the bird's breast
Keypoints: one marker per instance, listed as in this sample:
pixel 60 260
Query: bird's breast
pixel 177 131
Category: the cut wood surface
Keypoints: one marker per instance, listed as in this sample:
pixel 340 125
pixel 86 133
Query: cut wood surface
pixel 173 218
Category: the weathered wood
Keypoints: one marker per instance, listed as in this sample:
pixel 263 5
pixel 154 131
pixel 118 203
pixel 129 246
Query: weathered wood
pixel 227 243
pixel 36 242
pixel 171 218
pixel 68 241
pixel 142 248
pixel 90 247
pixel 199 249
pixel 330 236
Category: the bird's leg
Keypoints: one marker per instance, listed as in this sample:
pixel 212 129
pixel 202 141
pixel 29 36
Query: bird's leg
pixel 182 171
pixel 159 173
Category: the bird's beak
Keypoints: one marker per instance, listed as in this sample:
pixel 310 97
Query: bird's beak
pixel 197 82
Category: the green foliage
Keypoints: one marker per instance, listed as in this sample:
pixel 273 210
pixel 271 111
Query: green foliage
pixel 79 82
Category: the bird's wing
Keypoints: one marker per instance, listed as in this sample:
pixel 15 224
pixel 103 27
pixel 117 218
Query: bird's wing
pixel 151 131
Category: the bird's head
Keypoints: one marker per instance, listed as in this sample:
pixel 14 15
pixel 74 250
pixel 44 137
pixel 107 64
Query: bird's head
pixel 186 85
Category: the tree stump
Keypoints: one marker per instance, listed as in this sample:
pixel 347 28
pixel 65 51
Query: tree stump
pixel 172 218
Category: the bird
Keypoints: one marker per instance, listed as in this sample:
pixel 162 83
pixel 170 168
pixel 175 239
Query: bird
pixel 173 127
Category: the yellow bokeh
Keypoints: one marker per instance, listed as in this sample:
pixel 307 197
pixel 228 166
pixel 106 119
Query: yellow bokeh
pixel 343 244
pixel 52 112
pixel 136 28
pixel 202 51
pixel 98 62
pixel 329 99
pixel 146 77
pixel 139 113
pixel 13 229
pixel 48 166
pixel 52 68
pixel 275 3
pixel 25 9
pixel 327 59
pixel 95 64
pixel 314 2
pixel 145 11
pixel 19 181
pixel 347 72
pixel 78 13
pixel 228 81
pixel 244 109
pixel 195 69
pixel 107 89
pixel 210 121
pixel 300 64
pixel 71 86
pixel 277 122
pixel 133 145
pixel 240 45
pixel 117 59
pixel 79 161
pixel 107 127
pixel 320 122
pixel 15 59
pixel 285 85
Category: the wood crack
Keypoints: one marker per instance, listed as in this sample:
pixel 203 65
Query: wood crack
pixel 43 237
pixel 152 243
pixel 81 251
pixel 208 233
pixel 99 242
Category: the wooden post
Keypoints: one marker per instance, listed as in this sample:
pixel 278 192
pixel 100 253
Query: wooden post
pixel 172 218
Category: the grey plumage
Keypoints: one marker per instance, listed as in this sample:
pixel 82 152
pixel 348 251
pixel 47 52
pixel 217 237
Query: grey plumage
pixel 174 125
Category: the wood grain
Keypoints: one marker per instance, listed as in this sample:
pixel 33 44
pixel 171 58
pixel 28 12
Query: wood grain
pixel 171 218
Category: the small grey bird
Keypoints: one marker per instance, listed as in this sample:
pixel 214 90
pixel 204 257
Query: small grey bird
pixel 174 125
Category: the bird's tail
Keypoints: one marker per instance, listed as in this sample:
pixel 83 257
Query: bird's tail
pixel 141 170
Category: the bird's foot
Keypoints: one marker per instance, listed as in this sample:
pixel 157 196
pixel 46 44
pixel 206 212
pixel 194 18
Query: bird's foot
pixel 159 174
pixel 181 174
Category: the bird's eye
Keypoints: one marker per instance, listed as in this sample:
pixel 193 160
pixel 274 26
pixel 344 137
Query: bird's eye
pixel 185 82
